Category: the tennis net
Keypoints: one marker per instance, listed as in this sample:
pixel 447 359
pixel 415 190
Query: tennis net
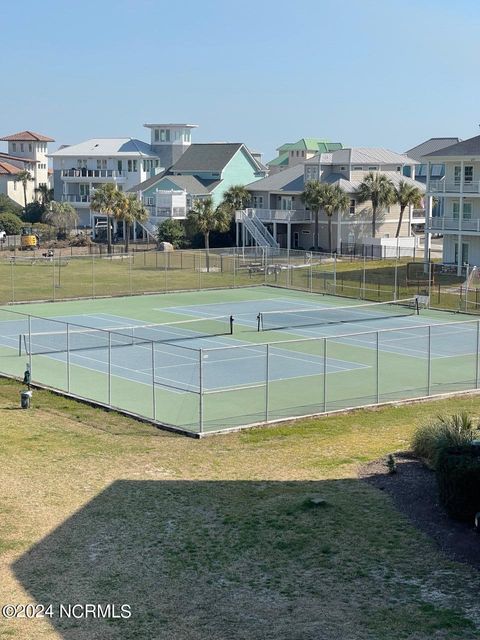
pixel 271 320
pixel 76 338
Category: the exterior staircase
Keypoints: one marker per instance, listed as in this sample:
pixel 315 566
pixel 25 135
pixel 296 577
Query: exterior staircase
pixel 258 231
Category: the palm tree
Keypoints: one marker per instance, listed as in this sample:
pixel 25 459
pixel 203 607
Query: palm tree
pixel 105 201
pixel 24 177
pixel 312 198
pixel 236 197
pixel 379 189
pixel 62 216
pixel 45 194
pixel 406 195
pixel 333 200
pixel 205 218
pixel 129 209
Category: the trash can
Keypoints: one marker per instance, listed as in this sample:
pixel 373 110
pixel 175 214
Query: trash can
pixel 25 397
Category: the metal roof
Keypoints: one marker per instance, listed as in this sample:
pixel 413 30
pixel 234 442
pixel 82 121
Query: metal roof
pixel 107 147
pixel 429 146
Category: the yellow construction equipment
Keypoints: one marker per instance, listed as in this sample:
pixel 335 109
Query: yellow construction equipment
pixel 28 239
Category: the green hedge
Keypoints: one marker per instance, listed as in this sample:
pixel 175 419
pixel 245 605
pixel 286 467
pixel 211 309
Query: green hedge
pixel 458 476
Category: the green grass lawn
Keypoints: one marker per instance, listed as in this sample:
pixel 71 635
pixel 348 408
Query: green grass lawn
pixel 216 539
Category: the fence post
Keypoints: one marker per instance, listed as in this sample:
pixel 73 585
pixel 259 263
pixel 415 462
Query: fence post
pixel 200 390
pixel 335 274
pixel 429 369
pixel 93 275
pixel 53 277
pixel 324 375
pixel 129 258
pixel 68 358
pixel 13 278
pixel 477 355
pixel 267 380
pixel 154 400
pixel 234 270
pixel 109 369
pixel 378 366
pixel 395 281
pixel 30 344
pixel 165 269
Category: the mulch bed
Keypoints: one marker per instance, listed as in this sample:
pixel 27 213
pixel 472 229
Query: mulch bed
pixel 413 490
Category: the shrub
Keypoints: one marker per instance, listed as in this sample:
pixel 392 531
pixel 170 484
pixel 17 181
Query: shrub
pixel 458 477
pixel 7 205
pixel 80 240
pixel 34 212
pixel 172 231
pixel 453 431
pixel 10 223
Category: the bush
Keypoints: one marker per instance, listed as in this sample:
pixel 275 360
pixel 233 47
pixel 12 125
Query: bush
pixel 7 205
pixel 10 223
pixel 430 440
pixel 34 212
pixel 45 232
pixel 458 477
pixel 172 231
pixel 80 240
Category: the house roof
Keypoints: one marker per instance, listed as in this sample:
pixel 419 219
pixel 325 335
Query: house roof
pixel 27 136
pixel 429 146
pixel 107 147
pixel 210 156
pixel 8 169
pixel 280 160
pixel 9 156
pixel 292 181
pixel 362 156
pixel 470 147
pixel 190 184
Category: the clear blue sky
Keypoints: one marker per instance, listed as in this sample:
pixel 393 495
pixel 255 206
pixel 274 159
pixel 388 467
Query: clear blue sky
pixel 365 73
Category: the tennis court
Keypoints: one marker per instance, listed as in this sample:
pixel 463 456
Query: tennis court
pixel 211 360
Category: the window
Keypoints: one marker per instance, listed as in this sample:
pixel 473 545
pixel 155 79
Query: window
pixel 358 168
pixel 399 168
pixel 373 168
pixel 149 201
pixel 467 210
pixel 101 164
pixel 464 256
pixel 156 135
pixel 84 189
pixel 14 146
pixel 81 164
pixel 167 135
pixel 352 207
pixel 421 170
pixel 119 165
pixel 132 165
pixel 437 170
pixel 343 168
pixel 21 146
pixel 257 202
pixel 468 174
pixel 30 147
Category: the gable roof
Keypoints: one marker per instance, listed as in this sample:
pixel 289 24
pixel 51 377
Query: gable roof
pixel 370 155
pixel 290 179
pixel 280 160
pixel 8 169
pixel 27 136
pixel 190 184
pixel 209 156
pixel 470 147
pixel 429 146
pixel 106 147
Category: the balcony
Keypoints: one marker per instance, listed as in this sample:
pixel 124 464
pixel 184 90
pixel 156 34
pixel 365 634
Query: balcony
pixel 439 225
pixel 93 175
pixel 444 186
pixel 76 199
pixel 279 215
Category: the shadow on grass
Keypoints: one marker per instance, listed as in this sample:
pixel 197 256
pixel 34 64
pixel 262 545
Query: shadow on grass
pixel 241 560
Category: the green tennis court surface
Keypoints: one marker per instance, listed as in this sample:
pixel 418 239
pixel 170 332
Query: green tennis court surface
pixel 174 359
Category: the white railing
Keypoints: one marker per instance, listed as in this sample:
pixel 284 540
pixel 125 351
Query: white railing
pixel 279 215
pixel 93 173
pixel 453 224
pixel 418 213
pixel 444 186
